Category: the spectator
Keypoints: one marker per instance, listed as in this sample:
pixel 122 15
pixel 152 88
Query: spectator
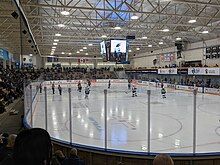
pixel 11 84
pixel 3 143
pixel 58 158
pixel 73 159
pixel 2 107
pixel 32 147
pixel 8 149
pixel 163 159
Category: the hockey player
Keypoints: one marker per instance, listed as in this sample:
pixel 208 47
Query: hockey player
pixel 161 85
pixel 60 89
pixel 109 84
pixel 89 82
pixel 134 91
pixel 163 93
pixel 157 82
pixel 79 86
pixel 40 87
pixel 53 88
pixel 129 84
pixel 87 91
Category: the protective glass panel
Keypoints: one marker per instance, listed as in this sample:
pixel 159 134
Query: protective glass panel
pixel 171 118
pixel 207 125
pixel 127 114
pixel 88 113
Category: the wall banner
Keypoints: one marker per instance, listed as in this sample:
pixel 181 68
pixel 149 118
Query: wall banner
pixel 212 71
pixel 203 71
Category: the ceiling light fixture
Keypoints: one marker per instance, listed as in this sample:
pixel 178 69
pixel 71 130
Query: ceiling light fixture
pixel 30 55
pixel 58 34
pixel 61 25
pixel 85 47
pixel 149 46
pixel 161 43
pixel 129 50
pixel 117 28
pixel 77 52
pixel 81 50
pixel 144 37
pixel 178 39
pixel 54 43
pixel 62 53
pixel 165 30
pixel 54 47
pixel 137 48
pixel 205 32
pixel 90 44
pixel 192 21
pixel 65 12
pixel 56 40
pixel 134 17
pixel 104 36
pixel 70 53
pixel 87 54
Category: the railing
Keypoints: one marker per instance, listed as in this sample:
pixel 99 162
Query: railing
pixel 141 125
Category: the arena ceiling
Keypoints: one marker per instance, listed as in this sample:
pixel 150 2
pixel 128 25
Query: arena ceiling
pixel 85 23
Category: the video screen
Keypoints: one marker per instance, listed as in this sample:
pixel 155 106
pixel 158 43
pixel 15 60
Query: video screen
pixel 118 51
pixel 118 46
pixel 103 48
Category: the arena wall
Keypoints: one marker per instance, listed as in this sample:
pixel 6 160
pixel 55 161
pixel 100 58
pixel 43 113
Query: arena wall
pixel 192 52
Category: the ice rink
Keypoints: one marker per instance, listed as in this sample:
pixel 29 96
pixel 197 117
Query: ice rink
pixel 171 118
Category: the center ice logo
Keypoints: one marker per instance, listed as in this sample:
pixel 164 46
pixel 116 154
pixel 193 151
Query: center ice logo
pixel 96 124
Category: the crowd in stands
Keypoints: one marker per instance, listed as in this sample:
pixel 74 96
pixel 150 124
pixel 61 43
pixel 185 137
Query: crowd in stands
pixel 200 83
pixel 208 83
pixel 12 80
pixel 77 73
pixel 34 147
pixel 174 66
pixel 11 84
pixel 190 82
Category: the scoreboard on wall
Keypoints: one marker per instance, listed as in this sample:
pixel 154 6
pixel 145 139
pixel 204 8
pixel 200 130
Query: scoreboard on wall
pixel 212 52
